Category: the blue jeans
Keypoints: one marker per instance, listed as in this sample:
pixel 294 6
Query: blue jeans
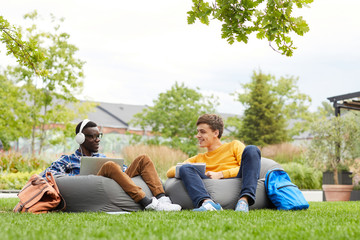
pixel 249 172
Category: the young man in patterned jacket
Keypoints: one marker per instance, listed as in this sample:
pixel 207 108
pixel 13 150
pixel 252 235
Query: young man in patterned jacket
pixel 88 137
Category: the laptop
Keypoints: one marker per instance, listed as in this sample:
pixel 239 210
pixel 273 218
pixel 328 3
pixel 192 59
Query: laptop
pixel 200 166
pixel 92 165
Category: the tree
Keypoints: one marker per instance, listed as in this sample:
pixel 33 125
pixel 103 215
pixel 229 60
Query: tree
pixel 335 144
pixel 326 109
pixel 25 52
pixel 270 104
pixel 174 116
pixel 271 19
pixel 47 77
pixel 13 113
pixel 262 122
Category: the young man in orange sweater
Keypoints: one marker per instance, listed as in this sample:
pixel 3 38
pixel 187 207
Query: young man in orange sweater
pixel 228 160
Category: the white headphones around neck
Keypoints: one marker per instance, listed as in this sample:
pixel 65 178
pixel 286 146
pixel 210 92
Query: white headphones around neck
pixel 80 137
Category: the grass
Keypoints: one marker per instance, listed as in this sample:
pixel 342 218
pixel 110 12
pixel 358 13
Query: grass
pixel 323 220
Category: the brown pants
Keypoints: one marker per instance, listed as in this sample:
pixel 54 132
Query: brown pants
pixel 142 166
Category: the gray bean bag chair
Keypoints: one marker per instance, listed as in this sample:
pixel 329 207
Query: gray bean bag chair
pixel 97 193
pixel 224 191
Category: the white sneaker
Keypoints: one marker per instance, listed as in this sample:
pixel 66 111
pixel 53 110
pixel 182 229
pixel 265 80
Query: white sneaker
pixel 165 200
pixel 156 205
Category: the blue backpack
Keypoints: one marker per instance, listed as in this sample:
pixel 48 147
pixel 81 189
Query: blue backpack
pixel 282 192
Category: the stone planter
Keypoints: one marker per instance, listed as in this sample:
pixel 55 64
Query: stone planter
pixel 337 192
pixel 355 195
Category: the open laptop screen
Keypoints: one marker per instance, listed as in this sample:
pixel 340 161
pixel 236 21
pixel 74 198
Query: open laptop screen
pixel 92 165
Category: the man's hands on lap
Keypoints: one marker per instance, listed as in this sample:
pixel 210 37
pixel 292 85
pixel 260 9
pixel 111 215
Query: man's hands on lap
pixel 215 175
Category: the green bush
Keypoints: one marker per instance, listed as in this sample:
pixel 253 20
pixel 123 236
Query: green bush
pixel 303 176
pixel 15 180
pixel 16 169
pixel 14 162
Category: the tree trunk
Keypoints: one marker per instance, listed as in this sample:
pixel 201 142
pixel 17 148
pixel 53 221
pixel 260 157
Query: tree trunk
pixel 42 138
pixel 336 177
pixel 33 141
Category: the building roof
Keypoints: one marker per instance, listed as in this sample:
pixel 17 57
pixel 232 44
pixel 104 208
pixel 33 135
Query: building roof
pixel 115 115
pixel 119 115
pixel 346 101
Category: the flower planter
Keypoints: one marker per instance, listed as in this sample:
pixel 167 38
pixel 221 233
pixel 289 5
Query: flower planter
pixel 337 192
pixel 344 180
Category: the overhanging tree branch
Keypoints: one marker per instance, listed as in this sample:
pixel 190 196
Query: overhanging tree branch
pixel 22 47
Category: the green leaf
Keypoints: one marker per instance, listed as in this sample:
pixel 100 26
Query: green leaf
pixel 275 22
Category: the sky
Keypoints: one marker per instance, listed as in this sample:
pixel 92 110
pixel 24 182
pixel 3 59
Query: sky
pixel 135 50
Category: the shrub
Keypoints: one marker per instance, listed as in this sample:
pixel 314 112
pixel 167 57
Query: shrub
pixel 303 176
pixel 16 169
pixel 15 180
pixel 14 162
pixel 162 156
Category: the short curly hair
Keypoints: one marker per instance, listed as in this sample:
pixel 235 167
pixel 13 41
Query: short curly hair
pixel 214 121
pixel 89 124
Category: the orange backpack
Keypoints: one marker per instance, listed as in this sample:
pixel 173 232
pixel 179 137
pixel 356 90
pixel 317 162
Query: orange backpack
pixel 40 195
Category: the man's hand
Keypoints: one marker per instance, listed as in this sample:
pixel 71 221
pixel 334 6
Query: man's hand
pixel 214 175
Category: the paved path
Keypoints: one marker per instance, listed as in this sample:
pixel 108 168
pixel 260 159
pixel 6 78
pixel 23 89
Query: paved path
pixel 8 195
pixel 310 196
pixel 313 196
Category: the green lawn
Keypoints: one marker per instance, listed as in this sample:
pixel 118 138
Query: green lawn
pixel 323 220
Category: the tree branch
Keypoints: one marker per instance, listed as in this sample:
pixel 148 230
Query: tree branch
pixel 22 47
pixel 273 48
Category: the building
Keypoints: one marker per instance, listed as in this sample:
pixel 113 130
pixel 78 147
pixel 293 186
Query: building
pixel 116 118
